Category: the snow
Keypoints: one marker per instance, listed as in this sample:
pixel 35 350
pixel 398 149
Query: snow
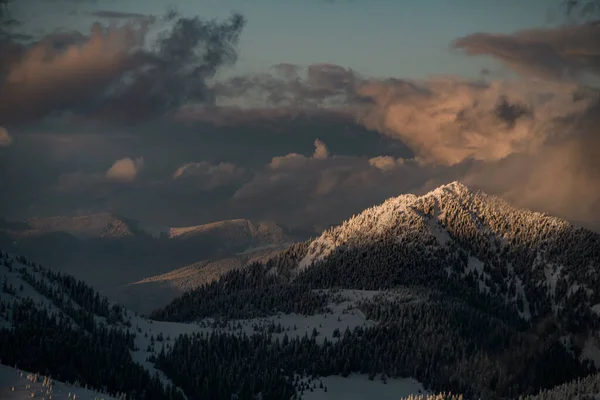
pixel 240 224
pixel 441 235
pixel 372 223
pixel 318 250
pixel 341 316
pixel 526 313
pixel 591 351
pixel 552 274
pixel 476 265
pixel 19 385
pixel 342 313
pixel 359 387
pixel 15 279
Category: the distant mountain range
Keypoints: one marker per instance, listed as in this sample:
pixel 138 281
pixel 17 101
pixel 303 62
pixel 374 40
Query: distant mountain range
pixel 110 252
pixel 111 226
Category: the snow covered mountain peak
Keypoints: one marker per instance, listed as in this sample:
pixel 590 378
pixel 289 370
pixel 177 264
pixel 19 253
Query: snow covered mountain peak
pixel 534 261
pixel 376 221
pixel 454 187
pixel 427 218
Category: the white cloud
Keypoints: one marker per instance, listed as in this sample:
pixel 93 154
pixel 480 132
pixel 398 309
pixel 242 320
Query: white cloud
pixel 386 163
pixel 321 151
pixel 125 170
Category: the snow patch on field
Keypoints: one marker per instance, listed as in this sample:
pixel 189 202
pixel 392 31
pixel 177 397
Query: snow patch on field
pixel 317 251
pixel 591 352
pixel 343 314
pixel 526 313
pixel 441 235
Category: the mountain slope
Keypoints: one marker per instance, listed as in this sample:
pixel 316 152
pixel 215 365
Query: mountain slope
pixel 514 292
pixel 535 262
pixel 55 325
pixel 157 291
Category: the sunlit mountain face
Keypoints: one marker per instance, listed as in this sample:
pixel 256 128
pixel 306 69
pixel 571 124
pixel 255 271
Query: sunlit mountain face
pixel 257 200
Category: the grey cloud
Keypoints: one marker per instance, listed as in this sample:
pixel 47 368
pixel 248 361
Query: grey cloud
pixel 287 70
pixel 464 129
pixel 313 192
pixel 316 86
pixel 109 74
pixel 561 53
pixel 72 156
pixel 208 176
pixel 121 15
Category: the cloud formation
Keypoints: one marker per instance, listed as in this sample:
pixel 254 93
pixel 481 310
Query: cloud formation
pixel 208 176
pixel 313 192
pixel 531 139
pixel 450 120
pixel 111 72
pixel 125 170
pixel 292 86
pixel 473 130
pixel 566 53
pixel 121 15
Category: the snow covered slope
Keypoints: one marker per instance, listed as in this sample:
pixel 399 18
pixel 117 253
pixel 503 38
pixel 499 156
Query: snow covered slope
pixel 79 309
pixel 407 217
pixel 53 324
pixel 538 262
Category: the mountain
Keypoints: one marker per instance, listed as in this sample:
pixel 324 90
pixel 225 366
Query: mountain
pixel 157 291
pixel 494 288
pixel 53 325
pixel 110 252
pixel 237 232
pixel 535 262
pixel 453 291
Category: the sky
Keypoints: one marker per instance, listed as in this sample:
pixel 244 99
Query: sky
pixel 299 112
pixel 374 38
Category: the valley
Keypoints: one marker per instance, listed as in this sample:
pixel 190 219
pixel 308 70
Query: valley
pixel 128 261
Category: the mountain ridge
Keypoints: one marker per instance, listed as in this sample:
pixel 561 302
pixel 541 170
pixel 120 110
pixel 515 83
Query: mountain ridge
pixel 485 226
pixel 109 251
